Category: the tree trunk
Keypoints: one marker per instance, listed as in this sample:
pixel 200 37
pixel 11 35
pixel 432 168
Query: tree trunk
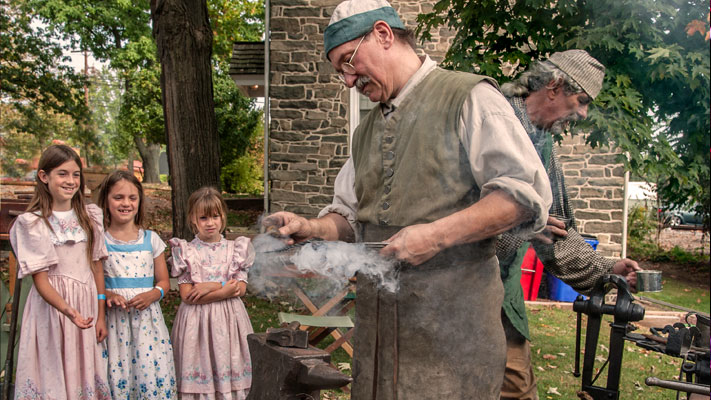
pixel 184 39
pixel 150 156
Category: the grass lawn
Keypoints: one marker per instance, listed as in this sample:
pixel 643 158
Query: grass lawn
pixel 553 345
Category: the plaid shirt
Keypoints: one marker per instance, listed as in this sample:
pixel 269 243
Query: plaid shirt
pixel 570 259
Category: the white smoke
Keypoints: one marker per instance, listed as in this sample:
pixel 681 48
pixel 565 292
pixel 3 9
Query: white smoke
pixel 333 262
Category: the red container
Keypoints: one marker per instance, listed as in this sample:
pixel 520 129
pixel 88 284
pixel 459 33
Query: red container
pixel 531 274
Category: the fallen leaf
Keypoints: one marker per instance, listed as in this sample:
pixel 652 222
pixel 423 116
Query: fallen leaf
pixel 638 386
pixel 553 390
pixel 603 348
pixel 344 366
pixel 600 358
pixel 549 357
pixel 538 367
pixel 561 354
pixel 551 366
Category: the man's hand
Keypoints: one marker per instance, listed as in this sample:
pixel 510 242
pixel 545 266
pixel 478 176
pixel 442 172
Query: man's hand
pixel 414 244
pixel 555 229
pixel 628 269
pixel 289 225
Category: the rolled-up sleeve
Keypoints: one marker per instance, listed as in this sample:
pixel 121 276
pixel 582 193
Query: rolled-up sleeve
pixel 502 156
pixel 344 201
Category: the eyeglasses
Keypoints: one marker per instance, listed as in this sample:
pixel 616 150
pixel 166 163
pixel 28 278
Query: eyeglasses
pixel 347 67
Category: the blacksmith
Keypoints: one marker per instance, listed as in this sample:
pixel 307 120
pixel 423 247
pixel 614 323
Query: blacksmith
pixel 438 169
pixel 546 98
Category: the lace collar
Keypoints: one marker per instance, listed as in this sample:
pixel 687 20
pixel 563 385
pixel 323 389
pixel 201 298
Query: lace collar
pixel 65 228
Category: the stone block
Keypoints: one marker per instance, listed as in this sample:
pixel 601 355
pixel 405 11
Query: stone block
pixel 606 181
pixel 306 124
pixel 336 163
pixel 298 104
pixel 579 204
pixel 316 180
pixel 303 149
pixel 307 188
pixel 281 24
pixel 302 12
pixel 588 192
pixel 299 79
pixel 287 196
pixel 320 199
pixel 335 139
pixel 306 166
pixel 288 175
pixel 596 204
pixel 603 159
pixel 277 113
pixel 289 67
pixel 593 172
pixel 571 172
pixel 287 157
pixel 317 115
pixel 594 227
pixel 592 215
pixel 287 136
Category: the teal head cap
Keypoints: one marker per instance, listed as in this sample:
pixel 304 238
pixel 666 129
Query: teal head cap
pixel 354 18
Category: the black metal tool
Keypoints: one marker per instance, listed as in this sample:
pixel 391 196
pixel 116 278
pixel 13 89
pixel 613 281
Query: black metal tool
pixel 624 311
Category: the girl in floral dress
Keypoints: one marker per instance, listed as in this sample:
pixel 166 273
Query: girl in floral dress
pixel 59 243
pixel 139 349
pixel 211 327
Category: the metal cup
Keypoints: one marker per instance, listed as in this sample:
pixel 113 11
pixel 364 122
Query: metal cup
pixel 649 280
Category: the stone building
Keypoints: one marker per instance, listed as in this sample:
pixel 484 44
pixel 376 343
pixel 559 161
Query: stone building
pixel 313 115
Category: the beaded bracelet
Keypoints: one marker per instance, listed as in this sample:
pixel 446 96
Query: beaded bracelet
pixel 223 283
pixel 162 293
pixel 101 297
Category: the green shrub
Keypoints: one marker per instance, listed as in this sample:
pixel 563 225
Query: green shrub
pixel 243 175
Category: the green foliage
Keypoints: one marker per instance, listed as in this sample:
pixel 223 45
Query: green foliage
pixel 239 125
pixel 655 99
pixel 234 21
pixel 32 77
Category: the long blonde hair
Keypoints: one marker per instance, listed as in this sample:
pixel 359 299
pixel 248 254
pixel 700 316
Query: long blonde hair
pixel 51 158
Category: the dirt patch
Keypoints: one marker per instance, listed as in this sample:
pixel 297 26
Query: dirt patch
pixel 689 240
pixel 693 275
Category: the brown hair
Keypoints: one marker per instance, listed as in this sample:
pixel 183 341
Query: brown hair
pixel 51 158
pixel 109 182
pixel 206 201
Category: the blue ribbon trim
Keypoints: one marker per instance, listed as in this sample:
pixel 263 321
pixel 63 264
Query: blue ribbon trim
pixel 127 248
pixel 128 283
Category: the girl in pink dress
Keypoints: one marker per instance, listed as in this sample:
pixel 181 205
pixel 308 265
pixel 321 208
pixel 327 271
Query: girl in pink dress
pixel 59 243
pixel 211 327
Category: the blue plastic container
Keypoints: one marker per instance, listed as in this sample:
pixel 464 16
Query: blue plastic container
pixel 561 291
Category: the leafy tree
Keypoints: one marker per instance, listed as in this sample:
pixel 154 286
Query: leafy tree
pixel 657 75
pixel 118 32
pixel 239 125
pixel 32 77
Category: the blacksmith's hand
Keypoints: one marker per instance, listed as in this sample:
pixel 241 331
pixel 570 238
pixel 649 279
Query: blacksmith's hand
pixel 290 226
pixel 414 244
pixel 554 230
pixel 628 269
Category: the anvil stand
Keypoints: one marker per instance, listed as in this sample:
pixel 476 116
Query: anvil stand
pixel 624 311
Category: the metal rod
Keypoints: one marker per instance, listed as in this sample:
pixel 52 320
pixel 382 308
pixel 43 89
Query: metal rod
pixel 576 372
pixel 670 305
pixel 679 386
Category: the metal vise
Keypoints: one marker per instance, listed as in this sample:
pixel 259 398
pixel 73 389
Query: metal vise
pixel 289 373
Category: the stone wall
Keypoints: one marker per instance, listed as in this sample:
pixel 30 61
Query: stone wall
pixel 309 105
pixel 595 183
pixel 310 124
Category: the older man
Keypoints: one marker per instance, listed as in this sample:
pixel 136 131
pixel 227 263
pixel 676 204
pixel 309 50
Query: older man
pixel 545 98
pixel 438 169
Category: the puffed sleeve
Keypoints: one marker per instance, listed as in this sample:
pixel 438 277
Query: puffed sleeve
pixel 30 240
pixel 242 259
pixel 97 218
pixel 180 252
pixel 157 244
